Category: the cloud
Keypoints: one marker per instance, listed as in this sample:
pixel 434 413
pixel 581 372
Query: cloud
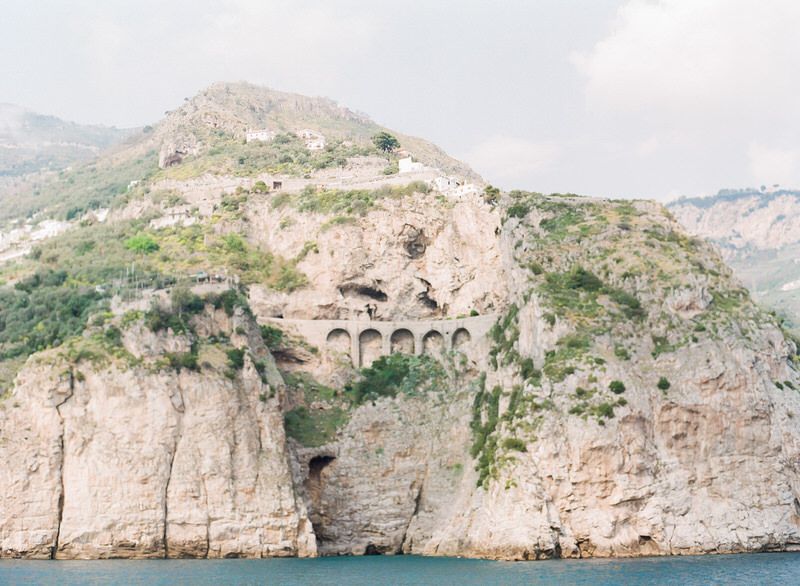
pixel 771 165
pixel 509 160
pixel 697 59
pixel 300 39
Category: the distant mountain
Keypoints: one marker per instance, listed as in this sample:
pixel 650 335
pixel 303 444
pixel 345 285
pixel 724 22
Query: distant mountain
pixel 758 232
pixel 31 142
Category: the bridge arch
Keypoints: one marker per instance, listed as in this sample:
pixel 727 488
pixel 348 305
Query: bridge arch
pixel 370 346
pixel 433 343
pixel 402 341
pixel 461 337
pixel 339 340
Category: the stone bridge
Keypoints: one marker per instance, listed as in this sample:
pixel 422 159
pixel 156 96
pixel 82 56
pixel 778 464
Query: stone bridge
pixel 365 341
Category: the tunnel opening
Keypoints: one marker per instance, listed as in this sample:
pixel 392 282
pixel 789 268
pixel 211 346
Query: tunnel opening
pixel 315 483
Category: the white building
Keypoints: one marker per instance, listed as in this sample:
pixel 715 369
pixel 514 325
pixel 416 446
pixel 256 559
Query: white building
pixel 314 140
pixel 444 184
pixel 262 135
pixel 408 165
pixel 466 191
pixel 455 189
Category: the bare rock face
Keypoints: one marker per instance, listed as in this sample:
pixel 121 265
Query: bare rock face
pixel 119 461
pixel 411 258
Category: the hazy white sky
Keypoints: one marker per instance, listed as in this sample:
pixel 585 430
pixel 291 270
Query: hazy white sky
pixel 645 98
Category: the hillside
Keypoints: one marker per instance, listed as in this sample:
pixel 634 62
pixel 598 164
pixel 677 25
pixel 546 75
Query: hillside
pixel 758 234
pixel 268 348
pixel 31 142
pixel 207 135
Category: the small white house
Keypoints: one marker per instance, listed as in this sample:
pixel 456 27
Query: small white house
pixel 466 191
pixel 408 165
pixel 444 184
pixel 264 135
pixel 314 140
pixel 455 189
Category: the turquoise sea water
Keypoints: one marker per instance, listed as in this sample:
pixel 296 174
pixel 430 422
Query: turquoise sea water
pixel 749 569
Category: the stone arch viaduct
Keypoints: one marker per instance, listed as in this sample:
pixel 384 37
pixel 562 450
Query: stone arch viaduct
pixel 365 341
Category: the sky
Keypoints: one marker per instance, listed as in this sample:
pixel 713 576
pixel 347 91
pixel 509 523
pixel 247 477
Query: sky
pixel 615 98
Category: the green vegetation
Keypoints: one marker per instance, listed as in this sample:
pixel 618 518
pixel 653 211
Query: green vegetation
pixel 485 412
pixel 345 203
pixel 616 386
pixel 515 444
pixel 71 193
pixel 663 384
pixel 314 429
pixel 142 244
pixel 395 374
pixel 42 311
pixel 273 337
pixel 385 142
pixel 286 154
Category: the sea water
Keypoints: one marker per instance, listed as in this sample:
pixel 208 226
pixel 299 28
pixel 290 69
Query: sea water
pixel 749 569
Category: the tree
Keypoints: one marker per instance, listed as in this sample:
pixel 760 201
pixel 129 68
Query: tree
pixel 490 194
pixel 385 142
pixel 143 243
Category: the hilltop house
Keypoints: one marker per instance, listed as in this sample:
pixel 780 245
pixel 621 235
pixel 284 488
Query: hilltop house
pixel 263 135
pixel 408 165
pixel 455 189
pixel 314 140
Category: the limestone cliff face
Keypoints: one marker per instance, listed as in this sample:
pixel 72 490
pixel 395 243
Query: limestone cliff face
pixel 757 234
pixel 113 459
pixel 697 454
pixel 742 222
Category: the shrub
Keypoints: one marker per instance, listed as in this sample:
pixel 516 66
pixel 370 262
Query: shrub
pixel 605 410
pixel 184 301
pixel 235 358
pixel 181 360
pixel 663 384
pixel 313 428
pixel 580 278
pixel 390 375
pixel 527 371
pixel 518 210
pixel 229 300
pixel 516 444
pixel 616 387
pixel 535 268
pixel 142 244
pixel 273 337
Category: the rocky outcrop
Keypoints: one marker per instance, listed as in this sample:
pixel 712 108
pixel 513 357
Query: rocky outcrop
pixel 125 460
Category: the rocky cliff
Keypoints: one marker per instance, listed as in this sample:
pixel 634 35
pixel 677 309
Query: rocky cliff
pixel 757 234
pixel 630 398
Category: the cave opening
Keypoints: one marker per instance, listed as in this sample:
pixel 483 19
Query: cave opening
pixel 315 483
pixel 364 291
